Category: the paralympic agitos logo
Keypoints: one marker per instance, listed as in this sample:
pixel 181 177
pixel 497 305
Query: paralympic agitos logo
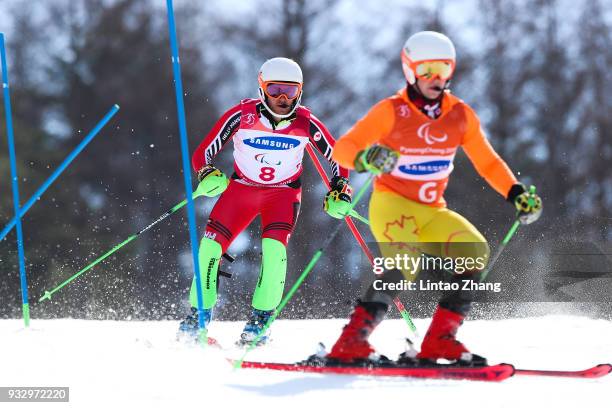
pixel 272 143
pixel 261 157
pixel 423 133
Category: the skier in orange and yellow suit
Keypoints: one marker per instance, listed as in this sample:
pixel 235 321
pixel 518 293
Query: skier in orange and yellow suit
pixel 410 140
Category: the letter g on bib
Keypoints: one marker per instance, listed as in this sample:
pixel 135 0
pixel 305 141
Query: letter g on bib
pixel 428 193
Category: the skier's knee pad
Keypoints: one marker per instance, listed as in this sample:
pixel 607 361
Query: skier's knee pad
pixel 271 282
pixel 208 257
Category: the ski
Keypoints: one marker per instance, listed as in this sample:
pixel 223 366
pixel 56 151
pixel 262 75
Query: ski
pixel 597 371
pixel 492 373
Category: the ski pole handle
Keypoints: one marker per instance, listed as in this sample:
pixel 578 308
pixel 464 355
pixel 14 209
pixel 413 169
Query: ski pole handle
pixel 532 191
pixel 358 216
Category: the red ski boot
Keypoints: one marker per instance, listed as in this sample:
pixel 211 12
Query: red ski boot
pixel 440 341
pixel 353 345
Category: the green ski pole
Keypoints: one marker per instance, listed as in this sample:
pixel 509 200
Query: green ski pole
pixel 359 217
pixel 197 193
pixel 507 238
pixel 307 270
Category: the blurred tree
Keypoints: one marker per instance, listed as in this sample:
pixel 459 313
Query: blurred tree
pixel 589 195
pixel 37 155
pixel 117 52
pixel 494 83
pixel 552 94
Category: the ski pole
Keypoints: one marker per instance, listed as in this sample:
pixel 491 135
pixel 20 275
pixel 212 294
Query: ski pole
pixel 359 217
pixel 197 193
pixel 313 261
pixel 349 222
pixel 500 249
pixel 507 238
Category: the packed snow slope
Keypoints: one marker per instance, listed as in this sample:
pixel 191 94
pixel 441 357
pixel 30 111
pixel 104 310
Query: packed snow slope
pixel 139 364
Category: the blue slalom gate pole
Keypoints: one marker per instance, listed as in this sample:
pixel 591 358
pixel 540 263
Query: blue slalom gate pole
pixel 178 88
pixel 11 144
pixel 59 170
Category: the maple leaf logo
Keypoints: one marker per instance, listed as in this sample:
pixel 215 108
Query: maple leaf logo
pixel 394 230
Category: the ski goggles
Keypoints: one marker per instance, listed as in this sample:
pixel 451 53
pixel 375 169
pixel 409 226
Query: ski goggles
pixel 431 69
pixel 434 69
pixel 274 89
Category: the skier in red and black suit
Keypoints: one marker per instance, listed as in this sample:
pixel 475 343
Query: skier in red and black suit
pixel 270 135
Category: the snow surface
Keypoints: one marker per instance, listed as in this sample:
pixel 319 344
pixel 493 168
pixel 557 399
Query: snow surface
pixel 140 364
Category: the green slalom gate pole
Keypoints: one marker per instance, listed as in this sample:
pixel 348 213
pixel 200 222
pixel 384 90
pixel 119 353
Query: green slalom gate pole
pixel 351 225
pixel 197 193
pixel 504 243
pixel 307 270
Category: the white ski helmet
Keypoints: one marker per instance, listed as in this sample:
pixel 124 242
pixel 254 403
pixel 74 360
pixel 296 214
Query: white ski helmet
pixel 426 46
pixel 281 70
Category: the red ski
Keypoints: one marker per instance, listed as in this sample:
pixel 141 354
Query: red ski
pixel 487 373
pixel 593 372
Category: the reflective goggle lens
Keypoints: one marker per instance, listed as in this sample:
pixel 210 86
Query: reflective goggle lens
pixel 432 69
pixel 275 90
